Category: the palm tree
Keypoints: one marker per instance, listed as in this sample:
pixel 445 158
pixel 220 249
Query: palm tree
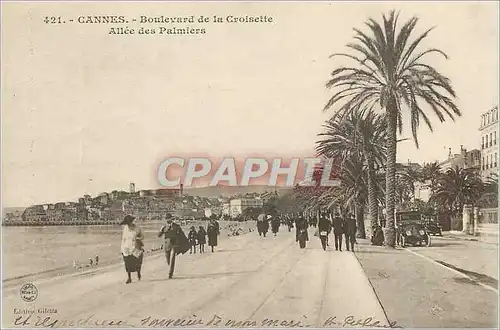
pixel 359 135
pixel 389 72
pixel 457 187
pixel 431 171
pixel 405 184
pixel 489 198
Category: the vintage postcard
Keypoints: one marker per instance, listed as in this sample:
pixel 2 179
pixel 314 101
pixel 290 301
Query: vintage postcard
pixel 249 164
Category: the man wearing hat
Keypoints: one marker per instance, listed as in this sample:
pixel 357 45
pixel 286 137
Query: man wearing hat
pixel 338 230
pixel 350 231
pixel 175 242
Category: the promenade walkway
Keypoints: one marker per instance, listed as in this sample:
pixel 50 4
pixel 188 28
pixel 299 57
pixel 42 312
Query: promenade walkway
pixel 250 281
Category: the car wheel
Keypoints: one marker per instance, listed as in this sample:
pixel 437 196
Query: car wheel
pixel 428 243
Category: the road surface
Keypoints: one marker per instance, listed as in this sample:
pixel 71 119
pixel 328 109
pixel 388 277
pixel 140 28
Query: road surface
pixel 250 281
pixel 471 256
pixel 418 291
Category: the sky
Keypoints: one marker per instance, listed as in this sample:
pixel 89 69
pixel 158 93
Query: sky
pixel 85 112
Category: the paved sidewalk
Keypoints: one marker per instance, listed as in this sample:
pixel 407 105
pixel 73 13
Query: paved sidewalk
pixel 250 281
pixel 417 292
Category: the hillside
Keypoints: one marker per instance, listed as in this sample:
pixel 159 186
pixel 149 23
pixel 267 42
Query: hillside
pixel 6 210
pixel 227 191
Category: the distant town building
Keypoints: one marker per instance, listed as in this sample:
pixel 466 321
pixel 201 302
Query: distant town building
pixel 167 193
pixel 238 205
pixel 226 208
pixel 413 166
pixel 132 188
pixel 465 159
pixel 489 148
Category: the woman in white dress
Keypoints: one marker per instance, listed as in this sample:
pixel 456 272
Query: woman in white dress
pixel 132 247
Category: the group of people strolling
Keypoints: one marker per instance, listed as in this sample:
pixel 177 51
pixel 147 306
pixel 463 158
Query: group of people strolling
pixel 199 238
pixel 263 221
pixel 342 226
pixel 176 242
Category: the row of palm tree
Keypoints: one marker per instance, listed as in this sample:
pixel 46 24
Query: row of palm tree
pixel 387 79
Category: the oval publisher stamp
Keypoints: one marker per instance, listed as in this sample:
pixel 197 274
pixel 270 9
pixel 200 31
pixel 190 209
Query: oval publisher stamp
pixel 29 292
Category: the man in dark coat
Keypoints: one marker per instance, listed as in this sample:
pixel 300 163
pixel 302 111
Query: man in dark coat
pixel 289 222
pixel 350 231
pixel 213 231
pixel 324 229
pixel 263 224
pixel 338 230
pixel 260 223
pixel 176 243
pixel 300 223
pixel 301 231
pixel 275 224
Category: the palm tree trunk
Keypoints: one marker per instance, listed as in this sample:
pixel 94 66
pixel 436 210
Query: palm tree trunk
pixel 360 223
pixel 390 175
pixel 372 194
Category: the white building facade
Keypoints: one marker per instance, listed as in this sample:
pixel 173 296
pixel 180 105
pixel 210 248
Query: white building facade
pixel 489 147
pixel 237 206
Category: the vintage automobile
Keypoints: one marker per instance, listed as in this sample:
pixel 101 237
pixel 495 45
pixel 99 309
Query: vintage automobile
pixel 412 233
pixel 411 229
pixel 433 228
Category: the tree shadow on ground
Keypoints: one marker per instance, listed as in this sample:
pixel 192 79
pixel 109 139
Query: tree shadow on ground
pixel 230 250
pixel 476 277
pixel 442 244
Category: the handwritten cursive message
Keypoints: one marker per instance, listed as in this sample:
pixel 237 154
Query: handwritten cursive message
pixel 43 321
pixel 216 321
pixel 349 321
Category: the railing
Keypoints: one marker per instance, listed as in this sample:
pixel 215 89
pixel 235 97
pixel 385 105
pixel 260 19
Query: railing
pixel 489 215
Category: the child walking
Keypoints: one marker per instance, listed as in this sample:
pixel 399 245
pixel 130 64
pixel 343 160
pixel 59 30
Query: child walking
pixel 192 237
pixel 202 239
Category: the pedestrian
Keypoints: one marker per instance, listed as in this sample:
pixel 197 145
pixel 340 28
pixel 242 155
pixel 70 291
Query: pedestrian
pixel 378 236
pixel 338 230
pixel 324 229
pixel 301 234
pixel 192 237
pixel 176 243
pixel 289 222
pixel 260 223
pixel 300 223
pixel 213 232
pixel 350 231
pixel 275 224
pixel 202 239
pixel 265 225
pixel 132 247
pixel 91 262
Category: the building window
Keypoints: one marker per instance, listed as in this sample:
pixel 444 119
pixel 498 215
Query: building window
pixel 482 142
pixel 486 141
pixel 491 139
pixel 495 159
pixel 483 163
pixel 495 136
